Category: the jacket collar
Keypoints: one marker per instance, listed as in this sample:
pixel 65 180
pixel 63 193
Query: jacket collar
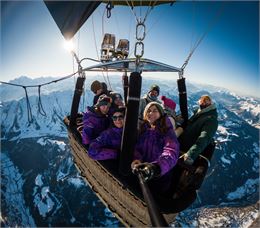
pixel 209 108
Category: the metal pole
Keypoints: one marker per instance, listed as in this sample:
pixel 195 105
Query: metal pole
pixel 156 216
pixel 77 92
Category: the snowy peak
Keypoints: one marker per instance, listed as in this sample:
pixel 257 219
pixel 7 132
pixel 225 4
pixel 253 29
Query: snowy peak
pixel 246 108
pixel 51 184
pixel 15 122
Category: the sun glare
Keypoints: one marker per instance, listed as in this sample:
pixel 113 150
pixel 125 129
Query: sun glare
pixel 69 45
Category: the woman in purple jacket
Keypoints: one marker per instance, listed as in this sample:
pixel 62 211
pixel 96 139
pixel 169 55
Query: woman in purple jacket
pixel 157 148
pixel 95 119
pixel 108 144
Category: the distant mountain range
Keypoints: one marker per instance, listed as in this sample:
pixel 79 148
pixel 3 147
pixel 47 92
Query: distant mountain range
pixel 41 187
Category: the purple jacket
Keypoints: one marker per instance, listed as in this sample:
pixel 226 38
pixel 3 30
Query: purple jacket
pixel 155 147
pixel 107 145
pixel 94 124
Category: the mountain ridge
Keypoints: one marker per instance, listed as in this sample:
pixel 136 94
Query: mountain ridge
pixel 231 179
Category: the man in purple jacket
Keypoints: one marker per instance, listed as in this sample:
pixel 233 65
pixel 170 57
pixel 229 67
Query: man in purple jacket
pixel 95 119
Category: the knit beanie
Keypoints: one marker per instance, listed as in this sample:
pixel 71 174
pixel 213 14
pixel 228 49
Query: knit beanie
pixel 95 86
pixel 168 103
pixel 115 95
pixel 103 100
pixel 158 106
pixel 156 88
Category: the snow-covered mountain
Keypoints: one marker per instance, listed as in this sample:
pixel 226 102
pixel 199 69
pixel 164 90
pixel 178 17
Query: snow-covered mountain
pixel 41 187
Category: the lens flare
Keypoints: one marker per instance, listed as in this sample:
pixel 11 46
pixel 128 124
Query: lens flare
pixel 69 45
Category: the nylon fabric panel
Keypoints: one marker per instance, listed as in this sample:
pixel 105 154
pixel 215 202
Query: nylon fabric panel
pixel 139 3
pixel 70 16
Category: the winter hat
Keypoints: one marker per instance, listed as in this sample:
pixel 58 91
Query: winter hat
pixel 168 103
pixel 104 86
pixel 158 106
pixel 156 88
pixel 115 95
pixel 95 86
pixel 103 100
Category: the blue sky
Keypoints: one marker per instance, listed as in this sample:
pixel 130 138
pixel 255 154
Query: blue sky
pixel 32 45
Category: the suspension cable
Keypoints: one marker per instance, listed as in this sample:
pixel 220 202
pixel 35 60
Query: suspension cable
pixel 149 10
pixel 103 16
pixel 109 84
pixel 94 34
pixel 84 100
pixel 161 15
pixel 141 8
pixel 117 24
pixel 29 110
pixel 193 24
pixel 132 9
pixel 95 60
pixel 151 6
pixel 43 84
pixel 40 106
pixel 95 41
pixel 210 25
pixel 73 68
pixel 140 27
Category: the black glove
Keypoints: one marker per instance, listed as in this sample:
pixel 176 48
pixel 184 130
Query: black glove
pixel 148 170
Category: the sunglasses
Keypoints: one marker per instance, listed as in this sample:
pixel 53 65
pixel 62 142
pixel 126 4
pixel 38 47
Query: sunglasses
pixel 114 118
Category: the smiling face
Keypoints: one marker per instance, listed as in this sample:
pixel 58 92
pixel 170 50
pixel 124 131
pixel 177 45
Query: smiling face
pixel 204 102
pixel 118 101
pixel 99 91
pixel 118 119
pixel 104 108
pixel 153 93
pixel 152 114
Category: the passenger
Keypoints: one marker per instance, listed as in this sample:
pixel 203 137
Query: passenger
pixel 117 102
pixel 96 88
pixel 200 129
pixel 117 99
pixel 108 144
pixel 151 96
pixel 157 148
pixel 169 108
pixel 104 88
pixel 95 119
pixel 99 88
